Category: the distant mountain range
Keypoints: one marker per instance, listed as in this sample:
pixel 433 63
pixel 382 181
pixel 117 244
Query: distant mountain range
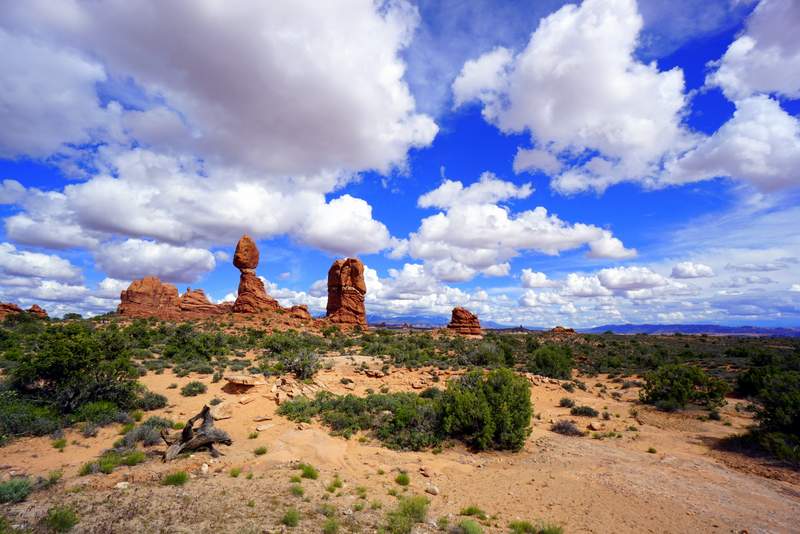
pixel 433 321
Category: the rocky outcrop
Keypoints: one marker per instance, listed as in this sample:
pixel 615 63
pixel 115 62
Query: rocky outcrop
pixel 465 322
pixel 195 303
pixel 300 312
pixel 252 297
pixel 346 292
pixel 38 311
pixel 8 309
pixel 561 331
pixel 150 297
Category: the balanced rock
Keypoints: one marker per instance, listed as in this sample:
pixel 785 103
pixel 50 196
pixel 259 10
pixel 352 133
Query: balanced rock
pixel 346 292
pixel 150 297
pixel 465 322
pixel 38 310
pixel 252 296
pixel 246 255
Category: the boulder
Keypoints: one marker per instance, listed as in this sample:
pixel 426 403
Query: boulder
pixel 465 322
pixel 149 297
pixel 300 312
pixel 246 255
pixel 38 311
pixel 346 292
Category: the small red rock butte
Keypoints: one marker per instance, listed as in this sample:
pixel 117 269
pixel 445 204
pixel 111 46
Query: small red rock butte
pixel 7 309
pixel 465 322
pixel 346 292
pixel 150 297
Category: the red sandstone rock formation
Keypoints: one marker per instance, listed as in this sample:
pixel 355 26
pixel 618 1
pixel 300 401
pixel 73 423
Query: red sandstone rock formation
pixel 465 322
pixel 252 297
pixel 8 309
pixel 38 310
pixel 560 330
pixel 196 303
pixel 346 291
pixel 300 312
pixel 149 297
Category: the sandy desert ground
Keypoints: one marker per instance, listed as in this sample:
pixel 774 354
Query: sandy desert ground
pixel 610 484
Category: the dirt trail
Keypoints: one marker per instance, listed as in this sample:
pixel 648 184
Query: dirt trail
pixel 611 484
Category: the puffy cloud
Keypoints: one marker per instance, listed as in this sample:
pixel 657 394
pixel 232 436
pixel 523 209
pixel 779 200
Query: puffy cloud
pixel 630 278
pixel 23 263
pixel 110 288
pixel 688 269
pixel 47 98
pixel 487 190
pixel 168 199
pixel 577 87
pixel 482 78
pixel 319 90
pixel 532 279
pixel 344 225
pixel 474 234
pixel 577 285
pixel 795 288
pixel 760 144
pixel 766 57
pixel 532 299
pixel 11 192
pixel 135 258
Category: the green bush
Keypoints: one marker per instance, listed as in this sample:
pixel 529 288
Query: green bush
pixel 178 478
pixel 193 388
pixel 402 479
pixel 61 519
pixel 491 412
pixel 779 415
pixel 291 518
pixel 151 401
pixel 302 363
pixel 20 417
pixel 567 428
pixel 469 526
pixel 100 413
pixel 15 490
pixel 409 511
pixel 673 386
pixel 566 402
pixel 554 361
pixel 584 411
pixel 526 527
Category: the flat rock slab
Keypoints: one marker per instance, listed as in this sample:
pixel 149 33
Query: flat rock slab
pixel 222 411
pixel 245 380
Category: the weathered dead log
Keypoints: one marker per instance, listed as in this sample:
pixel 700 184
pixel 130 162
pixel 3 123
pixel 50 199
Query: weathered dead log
pixel 191 439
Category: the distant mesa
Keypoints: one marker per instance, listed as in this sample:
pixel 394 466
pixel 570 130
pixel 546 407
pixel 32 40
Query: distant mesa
pixel 465 322
pixel 7 309
pixel 346 292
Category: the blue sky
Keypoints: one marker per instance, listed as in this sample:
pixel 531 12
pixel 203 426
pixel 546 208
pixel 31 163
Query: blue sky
pixel 539 162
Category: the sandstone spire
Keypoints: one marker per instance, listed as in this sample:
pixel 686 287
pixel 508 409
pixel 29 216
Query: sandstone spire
pixel 346 291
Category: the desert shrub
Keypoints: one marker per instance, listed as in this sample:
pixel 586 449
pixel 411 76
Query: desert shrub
pixel 409 511
pixel 60 519
pixel 110 460
pixel 330 526
pixel 487 412
pixel 526 527
pixel 673 386
pixel 291 518
pixel 72 364
pixel 567 428
pixel 193 388
pixel 403 479
pixel 100 413
pixel 554 361
pixel 178 478
pixel 491 412
pixel 259 451
pixel 308 471
pixel 779 415
pixel 584 411
pixel 473 511
pixel 15 489
pixel 302 363
pixel 151 401
pixel 20 416
pixel 566 402
pixel 469 526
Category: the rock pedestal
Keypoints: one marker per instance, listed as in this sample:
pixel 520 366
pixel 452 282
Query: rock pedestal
pixel 252 296
pixel 346 292
pixel 38 311
pixel 465 322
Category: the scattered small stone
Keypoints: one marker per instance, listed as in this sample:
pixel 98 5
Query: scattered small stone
pixel 261 428
pixel 122 485
pixel 261 418
pixel 433 490
pixel 246 400
pixel 350 386
pixel 204 469
pixel 594 426
pixel 223 410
